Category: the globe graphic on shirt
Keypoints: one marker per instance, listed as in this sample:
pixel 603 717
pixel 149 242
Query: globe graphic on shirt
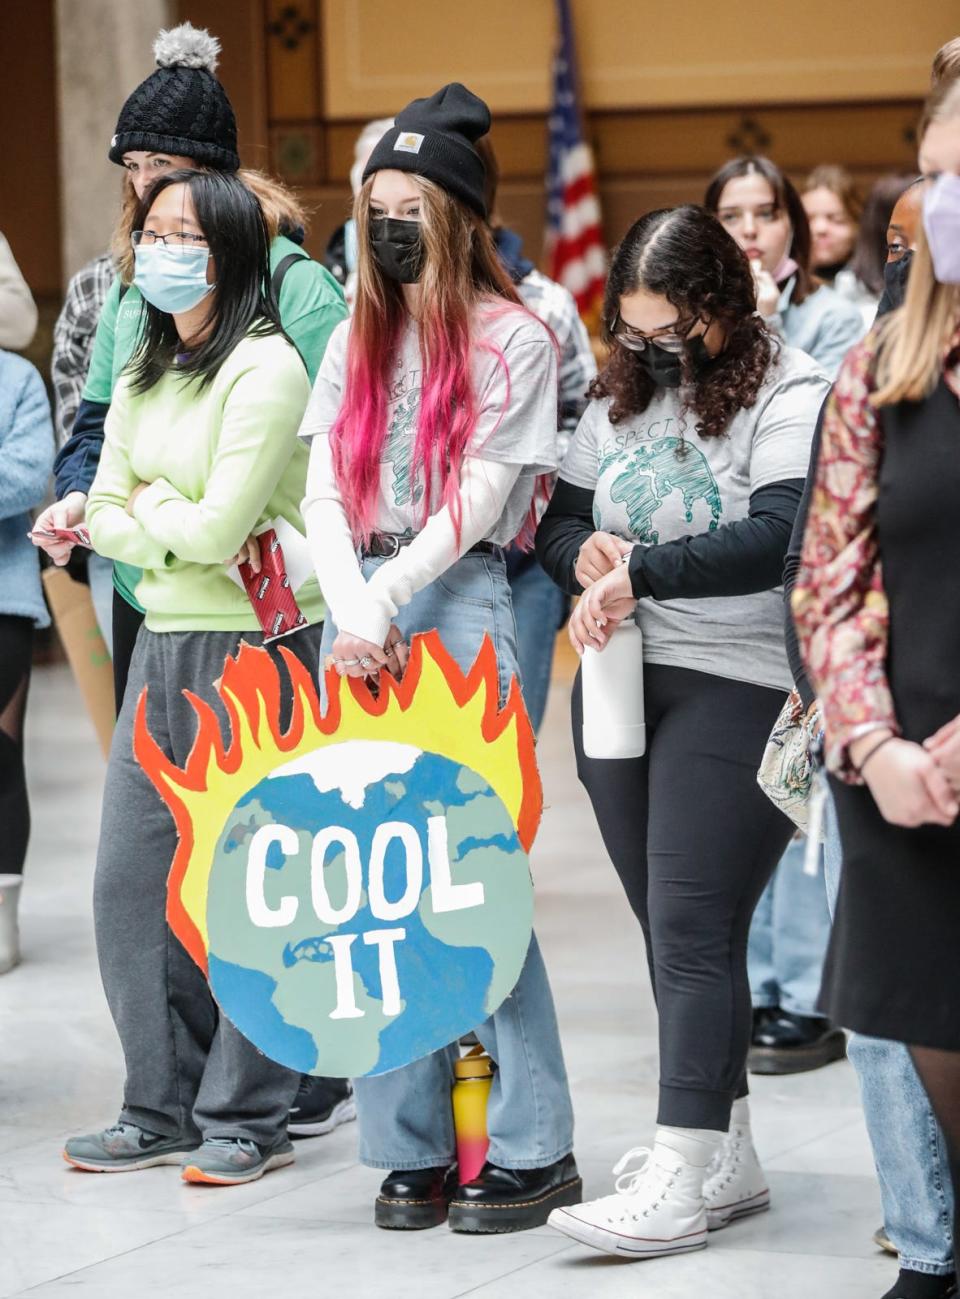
pixel 278 984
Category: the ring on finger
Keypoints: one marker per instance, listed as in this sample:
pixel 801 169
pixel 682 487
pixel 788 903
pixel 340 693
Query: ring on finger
pixel 365 661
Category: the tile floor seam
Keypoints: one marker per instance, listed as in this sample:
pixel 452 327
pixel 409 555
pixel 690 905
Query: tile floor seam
pixel 76 1271
pixel 493 1280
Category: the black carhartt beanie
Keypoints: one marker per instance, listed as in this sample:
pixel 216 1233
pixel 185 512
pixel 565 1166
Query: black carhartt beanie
pixel 182 107
pixel 434 138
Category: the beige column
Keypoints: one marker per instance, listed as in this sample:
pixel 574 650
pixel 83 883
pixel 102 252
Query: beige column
pixel 104 49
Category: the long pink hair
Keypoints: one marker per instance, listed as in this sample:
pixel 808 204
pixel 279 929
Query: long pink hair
pixel 462 272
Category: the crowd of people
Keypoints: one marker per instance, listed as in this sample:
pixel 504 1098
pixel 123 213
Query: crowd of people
pixel 425 409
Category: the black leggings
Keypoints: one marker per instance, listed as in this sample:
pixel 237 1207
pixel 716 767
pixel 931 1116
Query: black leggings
pixel 694 841
pixel 16 652
pixel 127 622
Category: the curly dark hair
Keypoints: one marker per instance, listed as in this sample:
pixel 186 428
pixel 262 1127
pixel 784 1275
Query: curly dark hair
pixel 684 255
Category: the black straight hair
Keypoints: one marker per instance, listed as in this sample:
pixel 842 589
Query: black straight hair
pixel 232 221
pixel 786 198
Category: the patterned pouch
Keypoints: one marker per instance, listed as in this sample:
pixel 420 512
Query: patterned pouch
pixel 789 765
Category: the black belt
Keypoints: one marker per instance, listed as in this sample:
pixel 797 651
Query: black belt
pixel 384 545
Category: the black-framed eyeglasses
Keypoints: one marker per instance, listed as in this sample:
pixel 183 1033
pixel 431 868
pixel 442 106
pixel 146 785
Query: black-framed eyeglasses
pixel 670 337
pixel 176 239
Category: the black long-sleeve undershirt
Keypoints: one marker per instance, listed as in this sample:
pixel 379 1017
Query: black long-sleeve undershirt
pixel 737 558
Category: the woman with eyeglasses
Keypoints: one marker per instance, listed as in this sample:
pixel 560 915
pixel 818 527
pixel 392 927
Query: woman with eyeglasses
pixel 761 209
pixel 674 507
pixel 200 451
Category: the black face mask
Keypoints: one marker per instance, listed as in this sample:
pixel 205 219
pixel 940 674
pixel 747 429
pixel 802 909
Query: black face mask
pixel 895 275
pixel 397 248
pixel 666 368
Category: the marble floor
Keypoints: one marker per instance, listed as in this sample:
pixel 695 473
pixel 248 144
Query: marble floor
pixel 308 1229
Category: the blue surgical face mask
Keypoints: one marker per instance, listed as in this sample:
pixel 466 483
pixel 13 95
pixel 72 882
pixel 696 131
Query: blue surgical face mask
pixel 172 279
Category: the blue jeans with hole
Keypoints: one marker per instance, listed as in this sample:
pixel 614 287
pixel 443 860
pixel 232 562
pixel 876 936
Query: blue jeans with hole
pixel 789 935
pixel 908 1147
pixel 406 1117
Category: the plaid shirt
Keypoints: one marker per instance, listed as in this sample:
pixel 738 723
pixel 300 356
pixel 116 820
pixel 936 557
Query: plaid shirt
pixel 556 307
pixel 73 336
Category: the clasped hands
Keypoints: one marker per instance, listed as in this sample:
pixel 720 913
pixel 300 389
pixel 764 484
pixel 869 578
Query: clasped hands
pixel 355 657
pixel 602 570
pixel 913 784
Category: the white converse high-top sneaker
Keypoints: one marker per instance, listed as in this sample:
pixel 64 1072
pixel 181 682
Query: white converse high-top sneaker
pixel 9 927
pixel 735 1185
pixel 658 1207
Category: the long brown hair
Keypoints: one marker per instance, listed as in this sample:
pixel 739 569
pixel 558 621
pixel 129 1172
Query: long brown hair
pixel 913 339
pixel 282 211
pixel 684 254
pixel 461 270
pixel 786 199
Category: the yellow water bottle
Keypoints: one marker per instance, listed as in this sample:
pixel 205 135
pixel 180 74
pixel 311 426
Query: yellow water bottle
pixel 473 1075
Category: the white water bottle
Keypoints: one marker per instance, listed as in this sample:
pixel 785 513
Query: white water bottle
pixel 612 684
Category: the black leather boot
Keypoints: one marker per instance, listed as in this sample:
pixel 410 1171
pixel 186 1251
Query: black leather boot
pixel 514 1199
pixel 922 1285
pixel 795 1044
pixel 414 1199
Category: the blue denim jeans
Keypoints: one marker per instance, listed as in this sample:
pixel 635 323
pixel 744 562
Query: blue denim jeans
pixel 538 606
pixel 406 1117
pixel 788 936
pixel 908 1147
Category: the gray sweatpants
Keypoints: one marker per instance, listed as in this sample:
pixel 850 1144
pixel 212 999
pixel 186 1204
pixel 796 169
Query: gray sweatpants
pixel 188 1070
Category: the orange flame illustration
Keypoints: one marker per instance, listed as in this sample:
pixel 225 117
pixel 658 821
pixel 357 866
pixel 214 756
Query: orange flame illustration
pixel 436 707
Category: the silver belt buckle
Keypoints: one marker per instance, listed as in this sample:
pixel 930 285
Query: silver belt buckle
pixel 393 548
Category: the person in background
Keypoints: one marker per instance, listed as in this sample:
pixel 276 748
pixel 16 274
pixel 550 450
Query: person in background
pixel 880 645
pixel 201 448
pixel 73 336
pixel 674 507
pixel 901 242
pixel 760 207
pixel 18 311
pixel 181 117
pixel 432 420
pixel 539 605
pixel 834 208
pixel 340 256
pixel 762 210
pixel 26 457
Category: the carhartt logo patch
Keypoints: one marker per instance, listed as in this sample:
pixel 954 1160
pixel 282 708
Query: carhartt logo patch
pixel 408 142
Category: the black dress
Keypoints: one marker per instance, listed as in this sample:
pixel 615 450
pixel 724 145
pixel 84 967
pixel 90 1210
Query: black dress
pixel 893 968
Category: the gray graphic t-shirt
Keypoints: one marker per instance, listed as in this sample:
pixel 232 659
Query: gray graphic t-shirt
pixel 514 371
pixel 655 480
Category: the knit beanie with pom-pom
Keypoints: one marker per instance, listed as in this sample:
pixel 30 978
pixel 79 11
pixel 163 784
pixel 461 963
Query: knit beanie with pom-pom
pixel 181 108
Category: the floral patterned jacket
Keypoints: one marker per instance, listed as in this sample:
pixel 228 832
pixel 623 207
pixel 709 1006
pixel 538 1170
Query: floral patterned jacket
pixel 839 605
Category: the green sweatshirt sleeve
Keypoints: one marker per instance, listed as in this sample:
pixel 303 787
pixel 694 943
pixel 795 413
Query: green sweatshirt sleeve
pixel 311 307
pixel 112 530
pixel 258 436
pixel 99 384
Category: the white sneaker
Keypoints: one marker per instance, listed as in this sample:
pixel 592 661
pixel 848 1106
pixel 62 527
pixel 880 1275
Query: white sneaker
pixel 9 928
pixel 736 1186
pixel 658 1208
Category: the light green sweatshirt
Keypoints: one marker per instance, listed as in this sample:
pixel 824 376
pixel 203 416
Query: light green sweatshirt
pixel 220 461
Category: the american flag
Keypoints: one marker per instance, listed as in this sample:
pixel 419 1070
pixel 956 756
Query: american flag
pixel 575 251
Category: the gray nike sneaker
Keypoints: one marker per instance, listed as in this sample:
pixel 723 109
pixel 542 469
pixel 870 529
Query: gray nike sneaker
pixel 227 1161
pixel 125 1148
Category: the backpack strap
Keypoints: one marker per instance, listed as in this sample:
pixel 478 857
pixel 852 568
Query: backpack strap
pixel 276 280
